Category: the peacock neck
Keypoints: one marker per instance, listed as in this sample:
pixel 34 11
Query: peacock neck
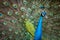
pixel 38 33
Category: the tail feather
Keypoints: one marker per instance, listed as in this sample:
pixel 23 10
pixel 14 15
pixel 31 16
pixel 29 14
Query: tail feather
pixel 14 12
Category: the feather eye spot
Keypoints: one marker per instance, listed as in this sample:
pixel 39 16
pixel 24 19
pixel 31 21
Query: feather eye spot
pixel 6 3
pixel 1 14
pixel 15 6
pixel 10 13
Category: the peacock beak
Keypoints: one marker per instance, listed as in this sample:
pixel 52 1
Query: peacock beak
pixel 46 16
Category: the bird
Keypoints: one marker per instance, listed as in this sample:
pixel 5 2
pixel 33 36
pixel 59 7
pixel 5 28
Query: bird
pixel 19 19
pixel 38 33
pixel 13 25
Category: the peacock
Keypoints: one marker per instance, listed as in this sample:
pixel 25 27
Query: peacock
pixel 19 19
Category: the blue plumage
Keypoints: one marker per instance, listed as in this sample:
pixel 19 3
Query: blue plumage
pixel 38 33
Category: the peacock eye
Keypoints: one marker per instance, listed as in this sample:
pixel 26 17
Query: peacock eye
pixel 51 14
pixel 25 2
pixel 10 36
pixel 27 36
pixel 19 19
pixel 31 17
pixel 15 6
pixel 22 16
pixel 10 13
pixel 16 31
pixel 33 6
pixel 6 3
pixel 3 32
pixel 29 10
pixel 22 9
pixel 13 21
pixel 4 23
pixel 1 14
pixel 17 13
pixel 10 28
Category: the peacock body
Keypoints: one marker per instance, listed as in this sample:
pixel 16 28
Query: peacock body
pixel 19 19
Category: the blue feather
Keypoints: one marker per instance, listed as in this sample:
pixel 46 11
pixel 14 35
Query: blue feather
pixel 38 33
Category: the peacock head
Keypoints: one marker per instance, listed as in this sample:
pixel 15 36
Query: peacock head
pixel 43 14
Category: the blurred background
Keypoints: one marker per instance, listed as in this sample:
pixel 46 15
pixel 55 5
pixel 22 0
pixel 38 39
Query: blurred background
pixel 14 13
